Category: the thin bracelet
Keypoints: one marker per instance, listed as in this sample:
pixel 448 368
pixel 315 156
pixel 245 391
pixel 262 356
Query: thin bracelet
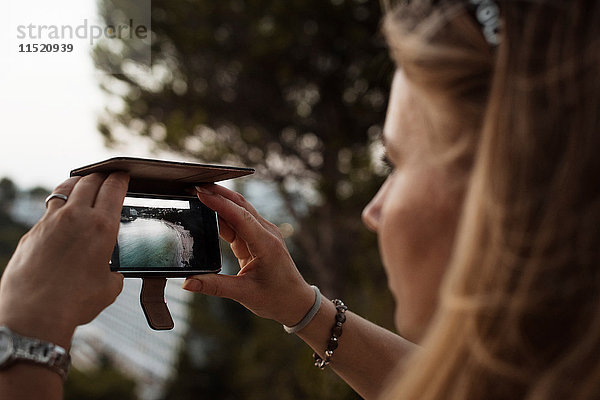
pixel 309 315
pixel 336 333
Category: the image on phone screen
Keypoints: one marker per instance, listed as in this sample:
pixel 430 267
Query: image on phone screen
pixel 170 235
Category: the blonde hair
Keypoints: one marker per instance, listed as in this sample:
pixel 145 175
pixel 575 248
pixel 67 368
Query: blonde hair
pixel 452 78
pixel 519 310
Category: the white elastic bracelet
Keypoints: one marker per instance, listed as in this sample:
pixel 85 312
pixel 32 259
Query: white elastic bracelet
pixel 309 316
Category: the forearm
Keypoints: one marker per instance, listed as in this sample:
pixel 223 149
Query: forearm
pixel 26 381
pixel 367 353
pixel 58 278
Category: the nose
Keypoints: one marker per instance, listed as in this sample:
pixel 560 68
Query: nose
pixel 371 214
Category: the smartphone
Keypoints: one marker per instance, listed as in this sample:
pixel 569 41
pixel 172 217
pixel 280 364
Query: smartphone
pixel 166 236
pixel 165 231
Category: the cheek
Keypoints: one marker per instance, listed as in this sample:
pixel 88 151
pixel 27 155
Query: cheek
pixel 414 217
pixel 416 238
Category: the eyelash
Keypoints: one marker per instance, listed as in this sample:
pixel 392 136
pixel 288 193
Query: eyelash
pixel 388 163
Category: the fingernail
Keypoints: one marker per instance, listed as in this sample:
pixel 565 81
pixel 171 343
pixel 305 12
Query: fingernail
pixel 192 285
pixel 202 190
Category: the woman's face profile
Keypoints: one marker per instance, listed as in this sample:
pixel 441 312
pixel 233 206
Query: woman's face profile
pixel 414 213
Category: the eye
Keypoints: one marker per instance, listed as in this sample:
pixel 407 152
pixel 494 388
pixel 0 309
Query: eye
pixel 389 165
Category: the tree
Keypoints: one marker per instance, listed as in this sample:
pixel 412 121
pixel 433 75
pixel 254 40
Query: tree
pixel 8 193
pixel 10 230
pixel 103 383
pixel 296 89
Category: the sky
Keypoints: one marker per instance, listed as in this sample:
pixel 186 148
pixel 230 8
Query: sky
pixel 50 103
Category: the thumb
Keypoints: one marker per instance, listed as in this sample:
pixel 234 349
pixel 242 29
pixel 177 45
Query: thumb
pixel 218 285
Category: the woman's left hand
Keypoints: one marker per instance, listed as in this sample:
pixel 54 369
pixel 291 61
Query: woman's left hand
pixel 268 283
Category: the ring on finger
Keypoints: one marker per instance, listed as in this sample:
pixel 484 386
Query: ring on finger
pixel 56 196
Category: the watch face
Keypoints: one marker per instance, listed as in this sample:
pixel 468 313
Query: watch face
pixel 6 347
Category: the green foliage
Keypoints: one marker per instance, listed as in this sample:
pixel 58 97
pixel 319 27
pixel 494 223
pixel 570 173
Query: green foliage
pixel 8 192
pixel 39 191
pixel 296 89
pixel 104 383
pixel 10 231
pixel 235 355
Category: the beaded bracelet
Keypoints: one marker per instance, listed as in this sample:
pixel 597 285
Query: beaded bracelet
pixel 336 333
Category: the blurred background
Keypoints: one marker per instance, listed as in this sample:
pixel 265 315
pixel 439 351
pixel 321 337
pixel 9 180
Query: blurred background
pixel 296 89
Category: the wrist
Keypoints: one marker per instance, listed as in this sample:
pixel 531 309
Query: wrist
pixel 308 316
pixel 317 332
pixel 53 331
pixel 301 305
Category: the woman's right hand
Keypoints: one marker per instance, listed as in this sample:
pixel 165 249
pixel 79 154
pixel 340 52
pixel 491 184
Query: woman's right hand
pixel 59 276
pixel 268 283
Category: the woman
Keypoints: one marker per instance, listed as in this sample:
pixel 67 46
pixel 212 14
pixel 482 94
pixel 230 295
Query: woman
pixel 488 225
pixel 509 123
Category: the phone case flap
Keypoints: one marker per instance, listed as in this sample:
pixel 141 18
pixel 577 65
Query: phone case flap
pixel 159 177
pixel 152 299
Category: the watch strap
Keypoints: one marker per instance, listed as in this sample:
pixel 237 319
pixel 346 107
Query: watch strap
pixel 152 299
pixel 40 352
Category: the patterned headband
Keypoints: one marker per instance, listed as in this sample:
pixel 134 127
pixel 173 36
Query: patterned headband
pixel 487 13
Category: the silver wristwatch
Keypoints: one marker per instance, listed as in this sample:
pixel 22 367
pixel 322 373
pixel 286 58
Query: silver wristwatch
pixel 14 347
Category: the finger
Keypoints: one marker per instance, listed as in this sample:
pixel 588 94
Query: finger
pixel 219 285
pixel 112 193
pixel 225 231
pixel 238 199
pixel 64 188
pixel 241 252
pixel 239 247
pixel 241 221
pixel 84 192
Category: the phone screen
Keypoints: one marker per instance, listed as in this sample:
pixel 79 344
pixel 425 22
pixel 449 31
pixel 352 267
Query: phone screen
pixel 171 237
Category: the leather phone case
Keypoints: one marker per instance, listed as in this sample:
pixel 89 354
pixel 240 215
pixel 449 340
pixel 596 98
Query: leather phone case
pixel 158 177
pixel 161 178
